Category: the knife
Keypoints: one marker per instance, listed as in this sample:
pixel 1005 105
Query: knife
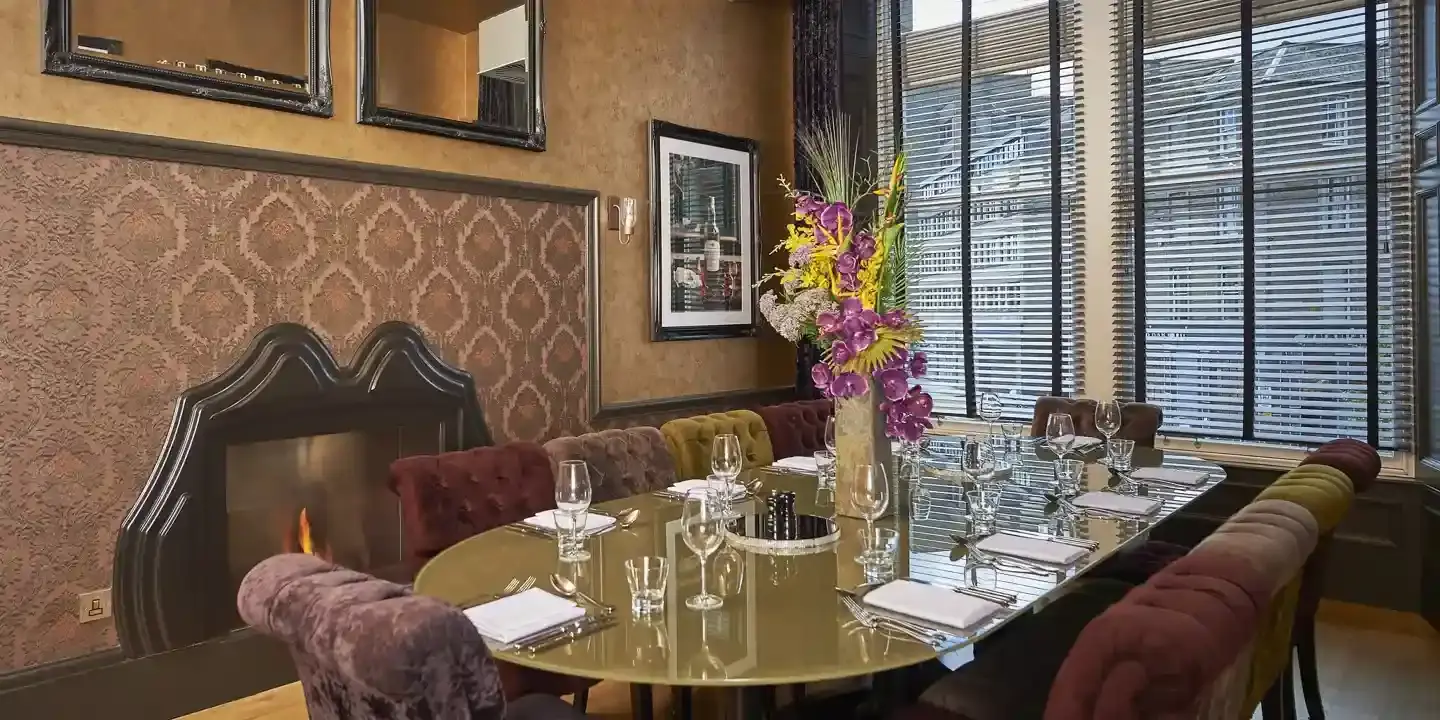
pixel 572 633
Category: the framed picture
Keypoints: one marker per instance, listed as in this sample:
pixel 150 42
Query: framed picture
pixel 705 221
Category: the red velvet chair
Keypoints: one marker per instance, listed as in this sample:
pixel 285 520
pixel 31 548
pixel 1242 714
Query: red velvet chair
pixel 449 497
pixel 1138 421
pixel 797 428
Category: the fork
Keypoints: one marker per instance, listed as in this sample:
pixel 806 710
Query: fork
pixel 872 621
pixel 512 587
pixel 529 583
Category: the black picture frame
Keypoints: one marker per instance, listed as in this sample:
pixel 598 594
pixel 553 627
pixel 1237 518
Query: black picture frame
pixel 370 112
pixel 63 59
pixel 746 221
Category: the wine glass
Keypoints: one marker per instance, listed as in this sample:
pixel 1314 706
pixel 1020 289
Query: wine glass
pixel 978 462
pixel 726 461
pixel 703 525
pixel 1060 433
pixel 990 410
pixel 572 507
pixel 869 493
pixel 1108 419
pixel 830 433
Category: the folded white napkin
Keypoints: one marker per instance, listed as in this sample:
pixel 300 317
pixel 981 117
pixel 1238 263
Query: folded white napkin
pixel 1174 475
pixel 931 603
pixel 594 523
pixel 511 618
pixel 1046 551
pixel 685 487
pixel 1078 442
pixel 1115 502
pixel 798 463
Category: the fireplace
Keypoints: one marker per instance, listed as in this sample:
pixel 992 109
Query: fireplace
pixel 287 451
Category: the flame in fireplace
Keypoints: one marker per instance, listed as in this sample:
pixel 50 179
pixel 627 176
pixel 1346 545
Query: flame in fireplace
pixel 307 543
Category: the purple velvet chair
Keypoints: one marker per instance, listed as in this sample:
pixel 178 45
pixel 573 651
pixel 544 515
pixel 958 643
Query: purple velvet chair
pixel 797 428
pixel 622 462
pixel 368 649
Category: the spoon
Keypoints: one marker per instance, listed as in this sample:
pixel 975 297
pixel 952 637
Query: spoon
pixel 565 586
pixel 626 518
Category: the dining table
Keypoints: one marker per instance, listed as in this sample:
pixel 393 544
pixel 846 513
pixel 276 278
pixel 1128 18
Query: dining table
pixel 784 620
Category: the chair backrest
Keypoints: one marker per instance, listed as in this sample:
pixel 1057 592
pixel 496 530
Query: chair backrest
pixel 1138 421
pixel 449 497
pixel 1171 645
pixel 797 428
pixel 622 462
pixel 689 440
pixel 366 648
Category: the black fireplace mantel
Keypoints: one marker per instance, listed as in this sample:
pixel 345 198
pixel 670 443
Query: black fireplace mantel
pixel 169 572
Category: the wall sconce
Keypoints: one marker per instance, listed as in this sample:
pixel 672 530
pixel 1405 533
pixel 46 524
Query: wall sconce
pixel 622 217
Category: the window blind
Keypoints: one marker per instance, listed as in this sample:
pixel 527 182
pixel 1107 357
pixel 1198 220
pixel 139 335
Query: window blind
pixel 1264 217
pixel 988 123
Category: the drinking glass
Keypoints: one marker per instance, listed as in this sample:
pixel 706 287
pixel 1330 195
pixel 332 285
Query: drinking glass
pixel 825 468
pixel 990 410
pixel 830 433
pixel 1118 452
pixel 878 546
pixel 980 574
pixel 983 505
pixel 1068 474
pixel 726 461
pixel 703 528
pixel 1012 431
pixel 1107 418
pixel 999 449
pixel 977 462
pixel 647 576
pixel 1060 433
pixel 729 573
pixel 570 535
pixel 869 493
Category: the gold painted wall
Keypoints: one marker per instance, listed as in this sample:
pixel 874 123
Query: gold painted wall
pixel 611 65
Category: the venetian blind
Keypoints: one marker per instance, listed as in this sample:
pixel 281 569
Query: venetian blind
pixel 1264 217
pixel 988 124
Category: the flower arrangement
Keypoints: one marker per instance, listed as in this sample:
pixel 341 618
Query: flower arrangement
pixel 844 286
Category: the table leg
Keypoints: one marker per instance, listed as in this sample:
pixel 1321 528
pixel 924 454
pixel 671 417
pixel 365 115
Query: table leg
pixel 681 701
pixel 754 703
pixel 642 702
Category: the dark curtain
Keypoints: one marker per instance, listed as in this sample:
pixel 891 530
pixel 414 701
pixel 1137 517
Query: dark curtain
pixel 834 73
pixel 502 102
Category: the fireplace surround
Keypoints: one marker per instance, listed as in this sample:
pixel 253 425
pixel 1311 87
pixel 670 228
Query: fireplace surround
pixel 285 451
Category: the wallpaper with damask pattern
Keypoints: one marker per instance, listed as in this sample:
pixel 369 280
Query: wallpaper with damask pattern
pixel 123 282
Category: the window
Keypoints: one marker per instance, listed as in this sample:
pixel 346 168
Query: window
pixel 1268 280
pixel 988 123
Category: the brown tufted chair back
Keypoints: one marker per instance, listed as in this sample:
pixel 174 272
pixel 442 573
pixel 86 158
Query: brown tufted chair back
pixel 797 428
pixel 622 462
pixel 449 497
pixel 1139 421
pixel 689 440
pixel 366 648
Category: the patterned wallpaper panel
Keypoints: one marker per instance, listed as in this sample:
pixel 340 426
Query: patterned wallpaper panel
pixel 126 281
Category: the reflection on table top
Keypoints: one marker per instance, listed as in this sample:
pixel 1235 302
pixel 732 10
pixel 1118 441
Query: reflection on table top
pixel 782 621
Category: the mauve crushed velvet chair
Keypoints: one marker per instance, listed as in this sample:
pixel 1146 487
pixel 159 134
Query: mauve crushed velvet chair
pixel 622 462
pixel 1139 421
pixel 449 497
pixel 796 428
pixel 367 649
pixel 689 440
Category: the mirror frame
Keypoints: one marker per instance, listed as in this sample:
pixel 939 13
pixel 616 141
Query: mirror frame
pixel 369 111
pixel 62 59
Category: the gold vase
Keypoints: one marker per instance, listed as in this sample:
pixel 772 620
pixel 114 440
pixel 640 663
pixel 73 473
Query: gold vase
pixel 859 440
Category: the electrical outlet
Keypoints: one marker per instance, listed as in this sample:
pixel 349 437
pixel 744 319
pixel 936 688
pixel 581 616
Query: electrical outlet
pixel 94 605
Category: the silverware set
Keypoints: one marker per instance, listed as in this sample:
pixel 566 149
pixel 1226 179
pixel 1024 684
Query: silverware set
pixel 914 631
pixel 562 634
pixel 1061 539
pixel 514 587
pixel 1154 482
pixel 623 520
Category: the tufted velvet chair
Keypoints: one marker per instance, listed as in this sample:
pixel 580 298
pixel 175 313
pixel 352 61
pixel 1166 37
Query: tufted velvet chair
pixel 368 649
pixel 797 428
pixel 1139 421
pixel 689 440
pixel 622 462
pixel 449 497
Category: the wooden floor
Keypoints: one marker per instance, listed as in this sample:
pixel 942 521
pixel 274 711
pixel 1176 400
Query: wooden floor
pixel 1374 665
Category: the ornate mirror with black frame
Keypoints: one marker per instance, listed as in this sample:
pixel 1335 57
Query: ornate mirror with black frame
pixel 267 53
pixel 467 69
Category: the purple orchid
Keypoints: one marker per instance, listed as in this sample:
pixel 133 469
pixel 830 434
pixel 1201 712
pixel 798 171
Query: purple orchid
pixel 864 245
pixel 894 319
pixel 898 360
pixel 918 365
pixel 848 385
pixel 847 263
pixel 836 219
pixel 849 282
pixel 828 322
pixel 841 352
pixel 806 204
pixel 893 384
pixel 820 375
pixel 919 402
pixel 850 307
pixel 869 317
pixel 862 339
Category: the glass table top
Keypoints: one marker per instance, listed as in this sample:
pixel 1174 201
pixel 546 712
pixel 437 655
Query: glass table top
pixel 782 621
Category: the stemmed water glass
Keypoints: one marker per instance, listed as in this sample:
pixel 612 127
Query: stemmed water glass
pixel 1060 433
pixel 830 433
pixel 990 410
pixel 869 493
pixel 978 462
pixel 726 460
pixel 1108 420
pixel 572 509
pixel 703 524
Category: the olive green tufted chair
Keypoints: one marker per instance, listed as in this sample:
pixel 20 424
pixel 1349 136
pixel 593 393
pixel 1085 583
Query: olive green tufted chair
pixel 690 439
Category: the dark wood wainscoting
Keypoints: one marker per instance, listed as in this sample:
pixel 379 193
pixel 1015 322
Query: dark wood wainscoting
pixel 1430 573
